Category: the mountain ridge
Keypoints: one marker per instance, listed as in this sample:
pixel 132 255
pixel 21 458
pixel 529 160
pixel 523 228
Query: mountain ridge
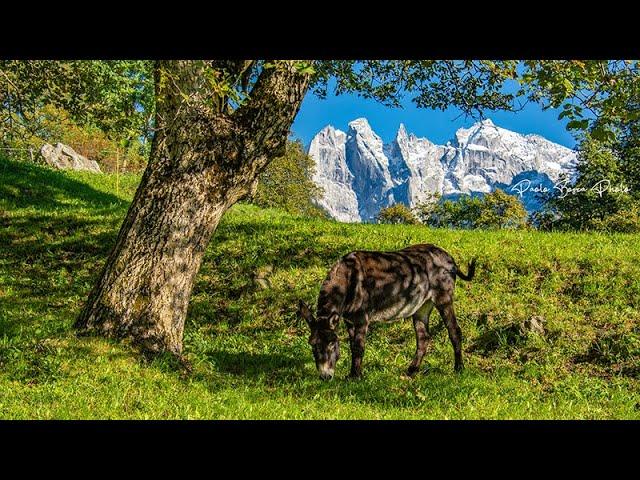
pixel 361 174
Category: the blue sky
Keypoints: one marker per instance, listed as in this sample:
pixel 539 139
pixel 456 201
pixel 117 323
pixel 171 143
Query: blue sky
pixel 436 125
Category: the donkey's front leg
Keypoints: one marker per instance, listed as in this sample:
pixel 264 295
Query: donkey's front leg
pixel 421 326
pixel 358 341
pixel 351 330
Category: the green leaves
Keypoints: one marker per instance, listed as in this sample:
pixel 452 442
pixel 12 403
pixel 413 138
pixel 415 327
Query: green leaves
pixel 493 210
pixel 286 183
pixel 472 86
pixel 116 96
pixel 305 68
pixel 398 213
pixel 595 95
pixel 585 90
pixel 577 124
pixel 222 86
pixel 603 133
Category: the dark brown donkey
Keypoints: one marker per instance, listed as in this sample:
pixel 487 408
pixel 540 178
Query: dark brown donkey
pixel 364 287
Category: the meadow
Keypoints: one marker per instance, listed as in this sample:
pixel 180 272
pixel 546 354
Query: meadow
pixel 248 353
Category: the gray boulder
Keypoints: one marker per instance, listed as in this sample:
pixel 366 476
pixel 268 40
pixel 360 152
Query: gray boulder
pixel 63 157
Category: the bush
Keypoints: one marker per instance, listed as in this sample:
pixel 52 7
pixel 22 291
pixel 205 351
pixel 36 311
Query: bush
pixel 501 210
pixel 397 214
pixel 494 210
pixel 287 183
pixel 623 221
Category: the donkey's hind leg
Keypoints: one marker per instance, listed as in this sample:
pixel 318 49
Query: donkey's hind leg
pixel 455 334
pixel 421 327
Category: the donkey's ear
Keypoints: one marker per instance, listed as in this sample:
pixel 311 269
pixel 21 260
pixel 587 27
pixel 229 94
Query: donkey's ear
pixel 305 312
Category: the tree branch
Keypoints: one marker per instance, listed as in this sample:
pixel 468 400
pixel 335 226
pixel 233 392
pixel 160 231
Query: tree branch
pixel 273 103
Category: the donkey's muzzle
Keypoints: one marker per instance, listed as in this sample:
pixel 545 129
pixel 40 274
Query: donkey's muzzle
pixel 326 376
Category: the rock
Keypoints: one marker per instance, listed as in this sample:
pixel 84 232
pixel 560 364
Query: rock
pixel 360 174
pixel 63 157
pixel 533 324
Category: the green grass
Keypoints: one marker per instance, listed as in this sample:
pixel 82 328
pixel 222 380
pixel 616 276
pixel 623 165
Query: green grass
pixel 249 355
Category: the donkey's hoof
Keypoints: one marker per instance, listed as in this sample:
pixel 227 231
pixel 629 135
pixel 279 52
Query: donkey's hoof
pixel 412 371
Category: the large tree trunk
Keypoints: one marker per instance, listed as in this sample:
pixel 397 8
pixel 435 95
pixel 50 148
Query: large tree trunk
pixel 204 158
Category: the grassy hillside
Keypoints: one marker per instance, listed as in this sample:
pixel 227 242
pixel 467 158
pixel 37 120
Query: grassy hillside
pixel 250 358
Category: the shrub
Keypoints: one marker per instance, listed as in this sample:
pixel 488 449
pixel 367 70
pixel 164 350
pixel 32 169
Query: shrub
pixel 624 221
pixel 397 214
pixel 287 183
pixel 494 210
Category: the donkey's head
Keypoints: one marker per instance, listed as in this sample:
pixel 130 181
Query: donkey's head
pixel 323 340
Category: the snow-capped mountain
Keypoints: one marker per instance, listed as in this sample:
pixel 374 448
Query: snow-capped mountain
pixel 360 174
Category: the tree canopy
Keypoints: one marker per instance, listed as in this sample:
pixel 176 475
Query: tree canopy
pixel 116 97
pixel 600 96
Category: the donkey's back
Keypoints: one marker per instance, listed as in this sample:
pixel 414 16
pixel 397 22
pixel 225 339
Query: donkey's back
pixel 385 286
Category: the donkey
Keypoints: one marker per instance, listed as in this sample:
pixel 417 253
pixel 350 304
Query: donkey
pixel 365 286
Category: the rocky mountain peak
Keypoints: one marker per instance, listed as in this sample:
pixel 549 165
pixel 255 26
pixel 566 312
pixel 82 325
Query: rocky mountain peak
pixel 361 125
pixel 360 174
pixel 331 134
pixel 402 133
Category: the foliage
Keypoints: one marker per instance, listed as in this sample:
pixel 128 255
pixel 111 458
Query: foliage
pixel 114 95
pixel 117 96
pixel 398 213
pixel 596 96
pixel 56 126
pixel 600 198
pixel 287 183
pixel 250 359
pixel 501 210
pixel 471 85
pixel 624 220
pixel 96 104
pixel 491 211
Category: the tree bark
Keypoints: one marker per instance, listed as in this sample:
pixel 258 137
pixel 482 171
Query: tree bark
pixel 203 159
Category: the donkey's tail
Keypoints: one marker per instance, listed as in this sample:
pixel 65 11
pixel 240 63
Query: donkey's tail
pixel 470 272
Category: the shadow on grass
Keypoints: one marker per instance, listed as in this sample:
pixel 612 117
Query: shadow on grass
pixel 46 272
pixel 257 367
pixel 50 251
pixel 618 352
pixel 26 185
pixel 280 245
pixel 226 285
